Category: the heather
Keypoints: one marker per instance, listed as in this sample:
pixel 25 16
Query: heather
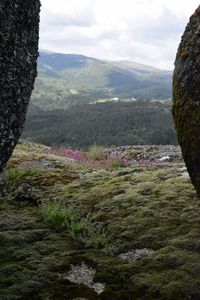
pixel 101 158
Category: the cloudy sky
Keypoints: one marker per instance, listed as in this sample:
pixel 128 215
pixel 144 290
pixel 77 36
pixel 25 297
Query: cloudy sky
pixel 145 31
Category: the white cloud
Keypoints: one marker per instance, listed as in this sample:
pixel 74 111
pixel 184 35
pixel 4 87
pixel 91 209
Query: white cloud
pixel 146 31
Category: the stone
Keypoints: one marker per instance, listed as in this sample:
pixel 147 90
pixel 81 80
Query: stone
pixel 85 275
pixel 186 97
pixel 136 254
pixel 19 31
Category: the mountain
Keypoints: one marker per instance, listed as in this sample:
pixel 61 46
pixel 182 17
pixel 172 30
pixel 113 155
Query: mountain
pixel 65 79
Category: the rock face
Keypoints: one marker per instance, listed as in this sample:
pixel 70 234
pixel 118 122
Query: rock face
pixel 186 97
pixel 19 28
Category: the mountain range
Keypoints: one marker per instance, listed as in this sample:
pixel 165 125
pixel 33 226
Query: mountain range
pixel 67 79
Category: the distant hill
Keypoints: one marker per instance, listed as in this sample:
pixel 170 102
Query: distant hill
pixel 66 79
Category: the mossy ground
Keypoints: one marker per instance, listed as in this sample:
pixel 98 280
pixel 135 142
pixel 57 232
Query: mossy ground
pixel 141 206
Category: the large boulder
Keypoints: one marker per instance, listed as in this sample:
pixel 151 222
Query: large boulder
pixel 186 97
pixel 19 30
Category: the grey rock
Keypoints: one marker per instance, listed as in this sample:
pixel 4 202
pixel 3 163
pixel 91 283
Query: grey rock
pixel 149 152
pixel 136 254
pixel 186 97
pixel 19 30
pixel 85 275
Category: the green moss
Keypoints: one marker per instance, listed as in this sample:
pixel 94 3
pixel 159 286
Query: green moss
pixel 137 207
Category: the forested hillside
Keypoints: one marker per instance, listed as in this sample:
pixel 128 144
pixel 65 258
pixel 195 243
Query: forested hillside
pixel 140 122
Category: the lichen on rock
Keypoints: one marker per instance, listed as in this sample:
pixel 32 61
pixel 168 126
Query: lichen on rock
pixel 186 97
pixel 85 275
pixel 19 31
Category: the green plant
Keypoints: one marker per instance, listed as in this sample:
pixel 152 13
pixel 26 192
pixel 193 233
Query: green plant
pixel 19 174
pixel 55 216
pixel 78 226
pixel 97 238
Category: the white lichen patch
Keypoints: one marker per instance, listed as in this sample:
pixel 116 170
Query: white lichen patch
pixel 184 172
pixel 135 254
pixel 164 158
pixel 82 274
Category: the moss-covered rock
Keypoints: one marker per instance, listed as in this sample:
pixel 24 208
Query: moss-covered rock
pixel 19 27
pixel 186 97
pixel 147 209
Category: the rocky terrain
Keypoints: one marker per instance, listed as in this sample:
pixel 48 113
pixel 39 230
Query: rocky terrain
pixel 74 228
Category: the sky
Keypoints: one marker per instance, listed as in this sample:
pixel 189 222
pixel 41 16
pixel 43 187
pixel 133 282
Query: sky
pixel 144 31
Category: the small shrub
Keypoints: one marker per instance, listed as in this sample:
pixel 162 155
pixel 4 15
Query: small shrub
pixel 77 227
pixel 96 153
pixel 55 216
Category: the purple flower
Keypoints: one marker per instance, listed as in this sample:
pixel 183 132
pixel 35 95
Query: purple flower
pixel 111 159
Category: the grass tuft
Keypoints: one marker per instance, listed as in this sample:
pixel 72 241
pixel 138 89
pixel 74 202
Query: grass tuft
pixel 16 174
